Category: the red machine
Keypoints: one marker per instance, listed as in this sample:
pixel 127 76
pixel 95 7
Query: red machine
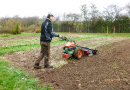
pixel 71 49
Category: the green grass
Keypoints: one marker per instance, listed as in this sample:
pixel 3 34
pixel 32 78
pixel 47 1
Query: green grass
pixel 11 79
pixel 16 79
pixel 104 34
pixel 28 46
pixel 11 49
pixel 86 38
pixel 15 42
pixel 22 34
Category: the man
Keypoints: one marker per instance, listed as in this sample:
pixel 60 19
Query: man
pixel 45 39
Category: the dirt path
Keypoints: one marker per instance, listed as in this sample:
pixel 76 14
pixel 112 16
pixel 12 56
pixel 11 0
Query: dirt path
pixel 108 70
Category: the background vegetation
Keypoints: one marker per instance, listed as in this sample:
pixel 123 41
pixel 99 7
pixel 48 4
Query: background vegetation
pixel 113 19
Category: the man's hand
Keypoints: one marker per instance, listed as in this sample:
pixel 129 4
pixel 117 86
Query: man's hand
pixel 60 36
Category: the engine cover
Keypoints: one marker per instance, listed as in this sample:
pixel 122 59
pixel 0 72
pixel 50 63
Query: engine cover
pixel 70 44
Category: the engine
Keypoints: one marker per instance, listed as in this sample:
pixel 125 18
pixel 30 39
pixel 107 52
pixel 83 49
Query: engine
pixel 69 49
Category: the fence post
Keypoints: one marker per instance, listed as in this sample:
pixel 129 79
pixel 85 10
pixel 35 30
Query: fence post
pixel 114 28
pixel 107 29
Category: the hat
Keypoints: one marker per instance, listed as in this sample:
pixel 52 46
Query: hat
pixel 49 15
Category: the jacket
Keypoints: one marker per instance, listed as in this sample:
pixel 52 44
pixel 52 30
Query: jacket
pixel 47 31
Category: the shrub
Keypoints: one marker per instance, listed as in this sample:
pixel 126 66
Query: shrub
pixel 37 29
pixel 16 29
pixel 0 29
pixel 31 28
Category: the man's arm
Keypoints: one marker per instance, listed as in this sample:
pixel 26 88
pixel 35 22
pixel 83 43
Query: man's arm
pixel 53 34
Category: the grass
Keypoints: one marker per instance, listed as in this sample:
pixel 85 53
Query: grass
pixel 11 49
pixel 22 34
pixel 16 79
pixel 11 78
pixel 15 42
pixel 87 38
pixel 103 34
pixel 29 46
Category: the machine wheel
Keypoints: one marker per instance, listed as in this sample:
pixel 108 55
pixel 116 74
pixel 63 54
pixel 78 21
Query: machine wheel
pixel 78 53
pixel 94 52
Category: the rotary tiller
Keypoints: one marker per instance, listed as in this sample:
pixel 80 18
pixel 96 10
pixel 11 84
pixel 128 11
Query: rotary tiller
pixel 71 49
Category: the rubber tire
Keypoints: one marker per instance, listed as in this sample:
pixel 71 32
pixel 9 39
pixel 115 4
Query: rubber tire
pixel 76 52
pixel 94 52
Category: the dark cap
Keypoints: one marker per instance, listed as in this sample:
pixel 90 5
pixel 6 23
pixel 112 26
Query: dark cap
pixel 49 15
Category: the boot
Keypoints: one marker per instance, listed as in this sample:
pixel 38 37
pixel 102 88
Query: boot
pixel 48 66
pixel 46 63
pixel 36 66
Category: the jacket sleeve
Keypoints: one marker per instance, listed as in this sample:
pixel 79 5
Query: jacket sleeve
pixel 53 34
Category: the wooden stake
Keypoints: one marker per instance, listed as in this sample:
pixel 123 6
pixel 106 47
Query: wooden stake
pixel 114 28
pixel 107 29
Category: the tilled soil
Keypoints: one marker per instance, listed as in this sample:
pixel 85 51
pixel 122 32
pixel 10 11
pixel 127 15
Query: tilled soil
pixel 108 70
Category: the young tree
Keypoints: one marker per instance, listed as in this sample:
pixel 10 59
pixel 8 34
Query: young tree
pixel 94 14
pixel 85 18
pixel 16 29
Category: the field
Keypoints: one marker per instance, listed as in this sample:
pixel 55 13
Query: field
pixel 108 70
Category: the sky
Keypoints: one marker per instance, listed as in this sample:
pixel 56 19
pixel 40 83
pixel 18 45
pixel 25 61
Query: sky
pixel 40 8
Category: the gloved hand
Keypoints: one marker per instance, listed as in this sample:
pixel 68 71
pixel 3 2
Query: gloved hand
pixel 60 36
pixel 63 38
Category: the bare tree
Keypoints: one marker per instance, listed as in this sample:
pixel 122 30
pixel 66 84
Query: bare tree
pixel 57 18
pixel 112 12
pixel 73 17
pixel 94 13
pixel 84 12
pixel 128 9
pixel 85 17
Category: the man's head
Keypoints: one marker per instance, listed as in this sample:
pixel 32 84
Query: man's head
pixel 50 16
